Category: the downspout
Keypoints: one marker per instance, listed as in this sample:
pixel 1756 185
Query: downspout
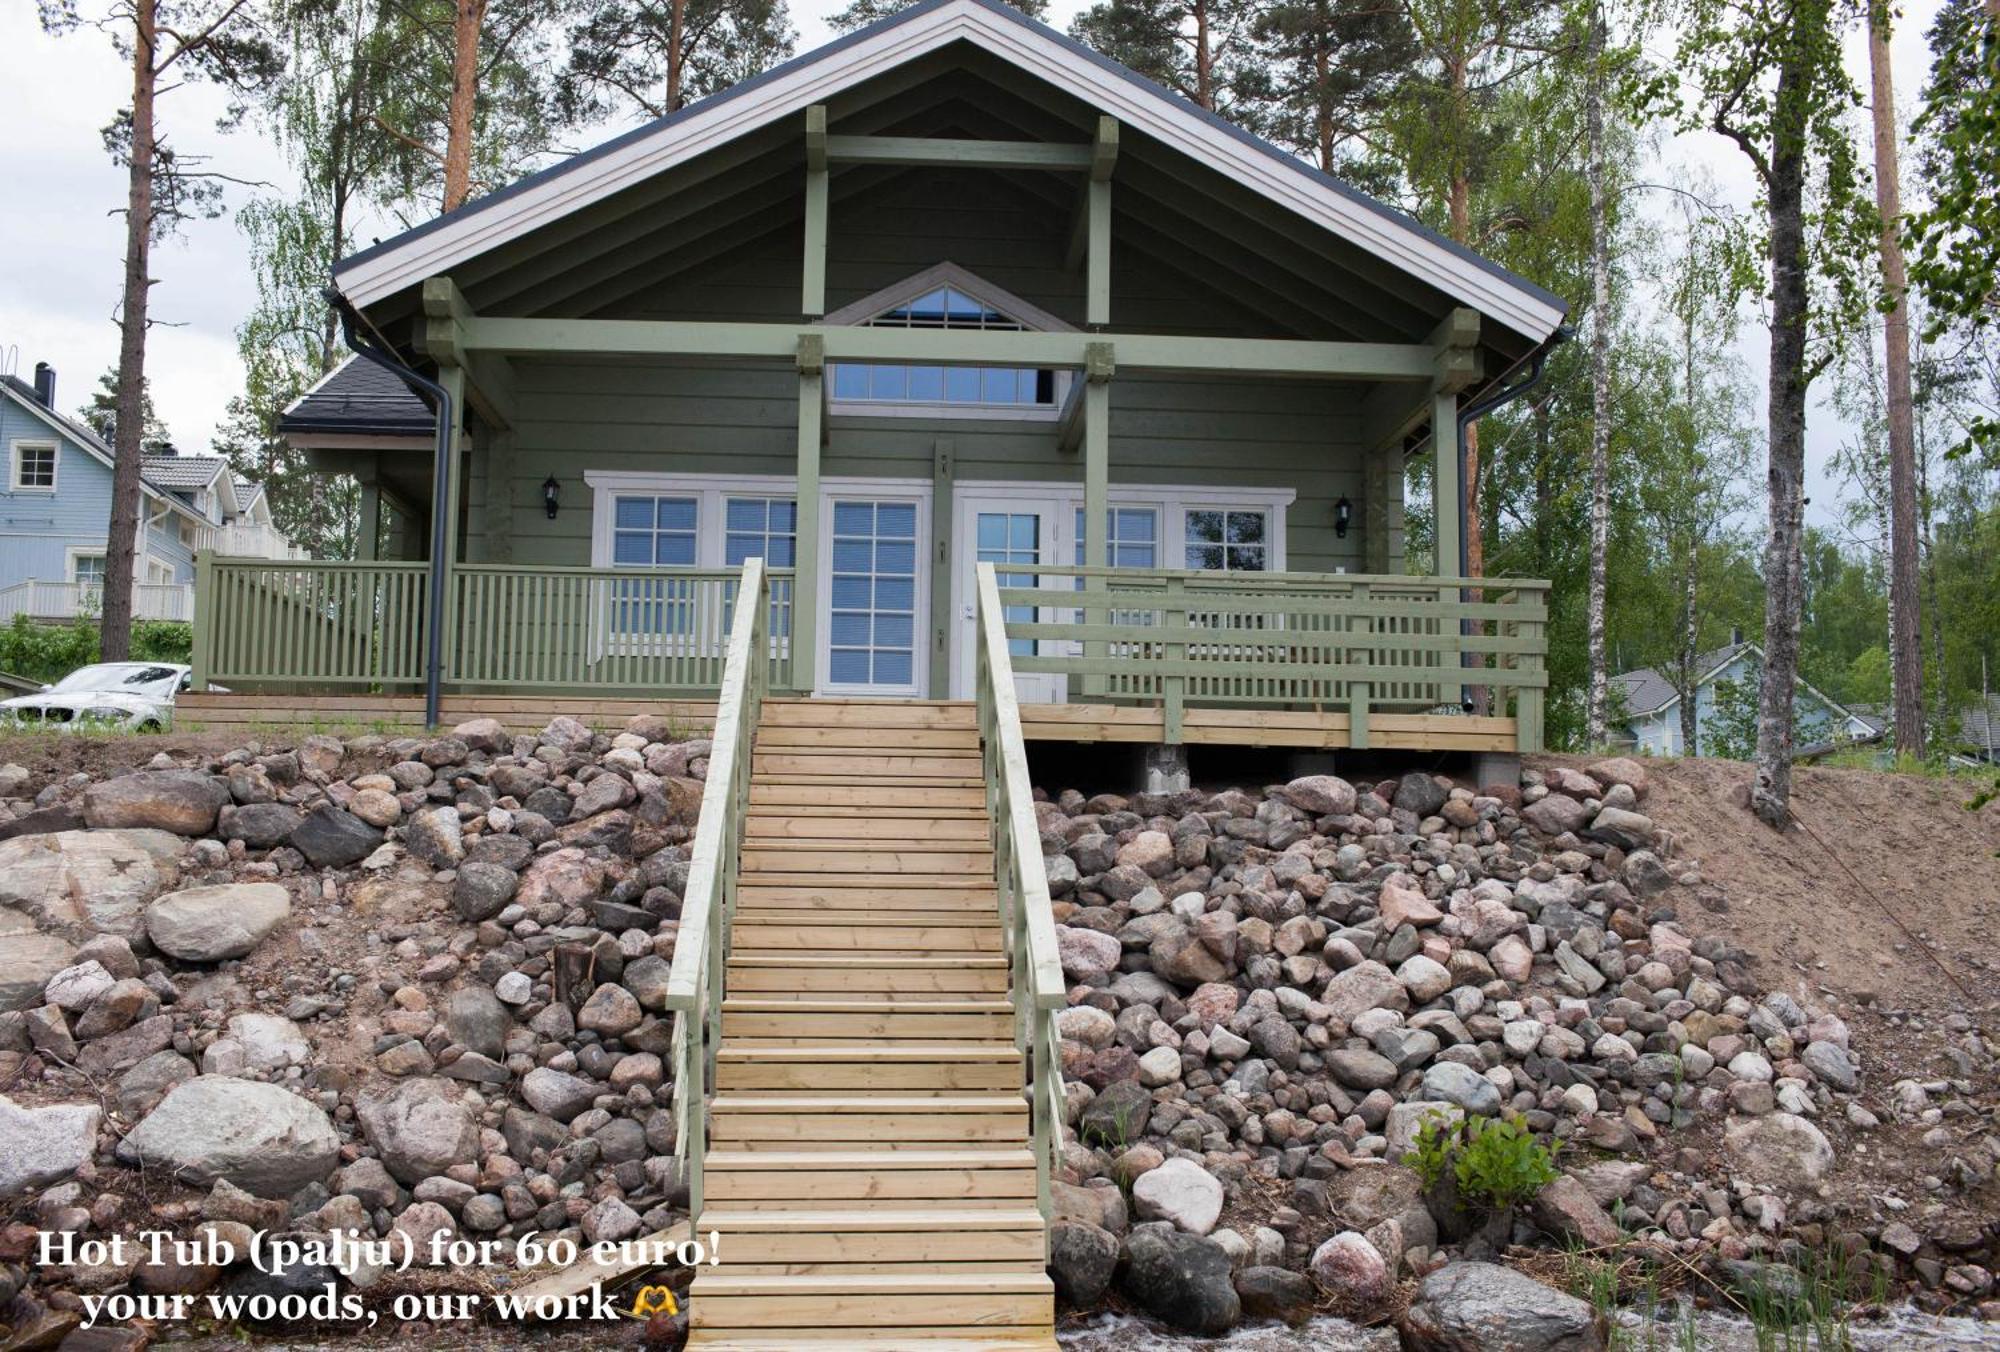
pixel 439 399
pixel 1538 361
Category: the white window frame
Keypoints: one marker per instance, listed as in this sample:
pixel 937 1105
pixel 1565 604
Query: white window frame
pixel 75 552
pixel 15 466
pixel 1028 315
pixel 1172 502
pixel 712 492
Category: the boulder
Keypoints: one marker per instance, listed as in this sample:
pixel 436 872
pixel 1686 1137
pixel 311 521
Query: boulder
pixel 78 881
pixel 1782 1151
pixel 556 1093
pixel 1351 1267
pixel 1565 1209
pixel 1555 814
pixel 1483 1307
pixel 435 837
pixel 27 960
pixel 1419 793
pixel 44 1145
pixel 1117 1116
pixel 1620 770
pixel 1276 1293
pixel 1627 830
pixel 269 1041
pixel 1453 1083
pixel 419 1128
pixel 1320 795
pixel 1403 903
pixel 332 837
pixel 184 802
pixel 1182 1192
pixel 1182 1280
pixel 1181 955
pixel 260 826
pixel 1086 953
pixel 477 1020
pixel 482 890
pixel 1362 987
pixel 264 1139
pixel 209 924
pixel 483 734
pixel 1082 1260
pixel 610 1011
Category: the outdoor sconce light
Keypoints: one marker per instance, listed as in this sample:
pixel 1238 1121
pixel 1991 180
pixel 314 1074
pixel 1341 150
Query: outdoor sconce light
pixel 551 495
pixel 1343 516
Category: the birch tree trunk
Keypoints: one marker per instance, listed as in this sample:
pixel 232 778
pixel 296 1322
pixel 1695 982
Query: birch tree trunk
pixel 1600 385
pixel 1690 635
pixel 122 535
pixel 1905 653
pixel 468 16
pixel 676 58
pixel 1770 795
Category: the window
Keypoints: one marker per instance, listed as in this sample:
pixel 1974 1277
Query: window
pixel 87 570
pixel 872 634
pixel 34 467
pixel 1134 539
pixel 947 297
pixel 760 528
pixel 654 532
pixel 1228 540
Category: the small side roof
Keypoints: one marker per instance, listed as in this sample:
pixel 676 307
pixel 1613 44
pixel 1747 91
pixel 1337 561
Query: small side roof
pixel 1647 691
pixel 358 398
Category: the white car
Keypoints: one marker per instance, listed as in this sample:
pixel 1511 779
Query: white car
pixel 107 696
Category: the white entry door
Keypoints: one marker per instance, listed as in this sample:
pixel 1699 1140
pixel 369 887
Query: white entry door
pixel 875 591
pixel 1005 531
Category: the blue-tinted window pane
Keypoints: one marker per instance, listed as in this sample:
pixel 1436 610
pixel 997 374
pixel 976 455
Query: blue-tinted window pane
pixel 848 666
pixel 634 513
pixel 784 515
pixel 677 513
pixel 1025 532
pixel 888 382
pixel 674 551
pixel 850 382
pixel 632 549
pixel 895 593
pixel 893 631
pixel 897 521
pixel 736 548
pixel 1134 525
pixel 849 627
pixel 1133 556
pixel 961 385
pixel 850 593
pixel 895 556
pixel 853 518
pixel 927 384
pixel 783 548
pixel 992 530
pixel 892 668
pixel 852 556
pixel 748 514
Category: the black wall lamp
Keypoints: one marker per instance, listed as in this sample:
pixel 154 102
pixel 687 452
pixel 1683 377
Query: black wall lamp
pixel 1343 516
pixel 552 496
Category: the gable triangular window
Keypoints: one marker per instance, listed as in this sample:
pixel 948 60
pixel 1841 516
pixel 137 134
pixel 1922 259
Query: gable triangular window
pixel 946 297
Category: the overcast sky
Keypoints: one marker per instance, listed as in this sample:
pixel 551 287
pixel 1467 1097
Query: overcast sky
pixel 62 245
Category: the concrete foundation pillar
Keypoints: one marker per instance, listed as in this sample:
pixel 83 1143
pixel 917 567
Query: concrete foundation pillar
pixel 1496 767
pixel 1166 770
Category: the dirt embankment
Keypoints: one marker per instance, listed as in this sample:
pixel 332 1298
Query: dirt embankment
pixel 1882 904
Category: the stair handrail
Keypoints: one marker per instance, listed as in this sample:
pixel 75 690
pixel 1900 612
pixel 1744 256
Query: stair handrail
pixel 695 985
pixel 1027 922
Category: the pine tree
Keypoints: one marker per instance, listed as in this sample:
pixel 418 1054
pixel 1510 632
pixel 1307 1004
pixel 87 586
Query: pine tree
pixel 660 55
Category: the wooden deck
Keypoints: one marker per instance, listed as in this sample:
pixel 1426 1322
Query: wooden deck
pixel 1087 723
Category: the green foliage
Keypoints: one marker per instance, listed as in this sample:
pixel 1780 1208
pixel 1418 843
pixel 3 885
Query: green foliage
pixel 48 652
pixel 862 12
pixel 100 414
pixel 661 56
pixel 1730 729
pixel 1497 1163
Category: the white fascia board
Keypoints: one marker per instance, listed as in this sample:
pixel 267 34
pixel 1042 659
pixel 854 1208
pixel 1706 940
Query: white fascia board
pixel 707 126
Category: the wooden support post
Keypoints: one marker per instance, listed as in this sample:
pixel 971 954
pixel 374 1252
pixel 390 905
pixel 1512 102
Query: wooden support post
pixel 368 533
pixel 944 474
pixel 499 507
pixel 805 568
pixel 1528 699
pixel 206 607
pixel 453 380
pixel 1446 469
pixel 812 295
pixel 1359 693
pixel 1097 289
pixel 1173 687
pixel 1099 364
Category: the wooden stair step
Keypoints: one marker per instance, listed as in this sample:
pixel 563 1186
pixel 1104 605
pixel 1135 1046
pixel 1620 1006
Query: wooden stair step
pixel 779 877
pixel 759 1179
pixel 959 1339
pixel 813 794
pixel 918 841
pixel 935 902
pixel 885 1122
pixel 784 825
pixel 900 1303
pixel 899 1067
pixel 847 736
pixel 811 1238
pixel 830 936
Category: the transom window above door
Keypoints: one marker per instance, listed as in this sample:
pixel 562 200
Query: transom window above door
pixel 946 297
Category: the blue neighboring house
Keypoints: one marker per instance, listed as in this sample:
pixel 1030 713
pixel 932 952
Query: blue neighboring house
pixel 1653 707
pixel 55 510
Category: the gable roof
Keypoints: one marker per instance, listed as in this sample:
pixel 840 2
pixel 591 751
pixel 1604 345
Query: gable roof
pixel 1647 690
pixel 81 433
pixel 182 473
pixel 358 398
pixel 1005 32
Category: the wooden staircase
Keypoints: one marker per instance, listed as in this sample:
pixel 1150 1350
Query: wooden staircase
pixel 869 1165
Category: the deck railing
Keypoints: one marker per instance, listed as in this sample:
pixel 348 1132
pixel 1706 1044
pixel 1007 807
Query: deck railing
pixel 1326 641
pixel 1026 921
pixel 695 986
pixel 308 623
pixel 45 600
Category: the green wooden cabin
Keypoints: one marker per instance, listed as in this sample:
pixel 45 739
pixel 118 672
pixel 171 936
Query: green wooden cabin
pixel 958 286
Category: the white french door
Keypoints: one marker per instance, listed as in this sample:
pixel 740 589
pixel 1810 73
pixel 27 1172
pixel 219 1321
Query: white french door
pixel 874 590
pixel 1006 531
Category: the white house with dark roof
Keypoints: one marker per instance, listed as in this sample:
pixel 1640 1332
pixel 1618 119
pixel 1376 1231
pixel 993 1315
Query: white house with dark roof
pixel 1652 704
pixel 55 513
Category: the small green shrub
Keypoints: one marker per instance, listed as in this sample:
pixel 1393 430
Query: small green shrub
pixel 1497 1163
pixel 49 652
